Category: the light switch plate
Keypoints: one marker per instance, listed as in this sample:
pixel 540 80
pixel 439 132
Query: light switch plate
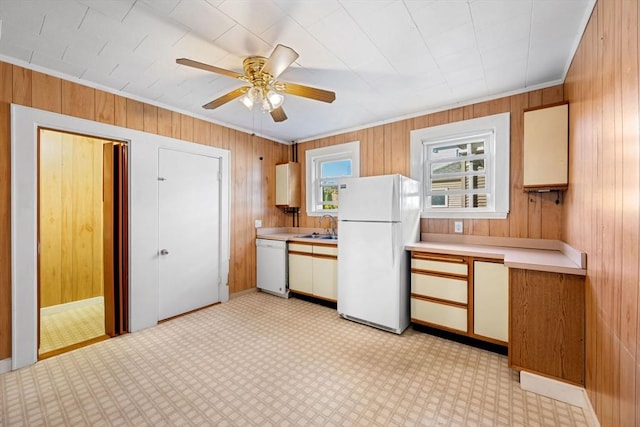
pixel 457 226
pixel 258 223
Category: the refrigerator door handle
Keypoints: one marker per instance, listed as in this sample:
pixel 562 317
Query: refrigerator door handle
pixel 393 256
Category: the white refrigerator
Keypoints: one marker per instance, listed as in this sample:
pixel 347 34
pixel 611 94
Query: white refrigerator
pixel 378 216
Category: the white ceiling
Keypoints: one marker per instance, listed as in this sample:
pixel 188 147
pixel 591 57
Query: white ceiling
pixel 385 59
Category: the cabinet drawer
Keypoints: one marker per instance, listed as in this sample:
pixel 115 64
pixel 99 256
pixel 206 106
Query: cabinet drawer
pixel 439 287
pixel 439 266
pixel 325 250
pixel 439 314
pixel 300 247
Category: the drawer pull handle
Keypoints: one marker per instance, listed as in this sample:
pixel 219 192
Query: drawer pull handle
pixel 436 258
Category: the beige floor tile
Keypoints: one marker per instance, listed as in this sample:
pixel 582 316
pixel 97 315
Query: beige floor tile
pixel 65 328
pixel 263 360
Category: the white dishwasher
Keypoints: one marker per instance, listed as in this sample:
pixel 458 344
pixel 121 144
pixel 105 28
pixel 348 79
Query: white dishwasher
pixel 272 267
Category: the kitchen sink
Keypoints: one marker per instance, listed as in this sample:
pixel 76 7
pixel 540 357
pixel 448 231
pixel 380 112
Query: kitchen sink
pixel 318 236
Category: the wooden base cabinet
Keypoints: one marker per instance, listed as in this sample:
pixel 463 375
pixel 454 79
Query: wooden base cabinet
pixel 547 324
pixel 464 295
pixel 539 315
pixel 313 270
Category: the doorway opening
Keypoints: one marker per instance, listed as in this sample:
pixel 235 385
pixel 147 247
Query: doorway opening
pixel 82 240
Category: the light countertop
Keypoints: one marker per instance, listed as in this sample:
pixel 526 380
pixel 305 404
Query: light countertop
pixel 528 254
pixel 290 235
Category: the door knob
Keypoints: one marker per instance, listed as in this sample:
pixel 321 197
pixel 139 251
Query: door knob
pixel 164 252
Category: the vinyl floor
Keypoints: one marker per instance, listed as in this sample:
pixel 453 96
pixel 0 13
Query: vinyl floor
pixel 260 360
pixel 64 328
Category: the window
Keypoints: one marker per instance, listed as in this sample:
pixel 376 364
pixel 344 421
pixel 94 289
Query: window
pixel 457 168
pixel 463 168
pixel 439 200
pixel 325 167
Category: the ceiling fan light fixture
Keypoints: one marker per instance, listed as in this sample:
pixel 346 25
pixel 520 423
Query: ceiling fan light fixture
pixel 266 106
pixel 269 99
pixel 261 87
pixel 275 99
pixel 247 102
pixel 255 95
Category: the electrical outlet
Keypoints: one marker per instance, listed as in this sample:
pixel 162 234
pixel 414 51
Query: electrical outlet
pixel 457 226
pixel 258 223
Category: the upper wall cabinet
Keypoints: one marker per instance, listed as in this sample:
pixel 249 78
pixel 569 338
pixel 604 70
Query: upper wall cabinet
pixel 546 148
pixel 288 185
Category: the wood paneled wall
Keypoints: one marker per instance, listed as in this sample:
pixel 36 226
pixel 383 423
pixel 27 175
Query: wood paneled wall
pixel 252 192
pixel 70 218
pixel 601 211
pixel 385 149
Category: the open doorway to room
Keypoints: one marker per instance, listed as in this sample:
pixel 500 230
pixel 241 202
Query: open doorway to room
pixel 82 240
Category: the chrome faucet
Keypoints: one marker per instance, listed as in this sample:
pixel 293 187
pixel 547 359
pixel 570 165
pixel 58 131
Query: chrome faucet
pixel 334 225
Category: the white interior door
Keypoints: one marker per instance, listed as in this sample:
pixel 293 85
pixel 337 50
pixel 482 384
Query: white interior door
pixel 189 231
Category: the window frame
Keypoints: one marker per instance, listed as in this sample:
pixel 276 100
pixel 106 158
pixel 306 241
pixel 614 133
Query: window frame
pixel 466 139
pixel 314 157
pixel 497 168
pixel 446 198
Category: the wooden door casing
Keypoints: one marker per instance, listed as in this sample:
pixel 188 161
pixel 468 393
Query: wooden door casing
pixel 116 238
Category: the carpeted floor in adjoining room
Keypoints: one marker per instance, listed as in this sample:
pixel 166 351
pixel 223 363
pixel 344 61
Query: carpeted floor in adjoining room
pixel 263 360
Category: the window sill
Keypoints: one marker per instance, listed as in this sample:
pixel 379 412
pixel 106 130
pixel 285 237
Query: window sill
pixel 464 215
pixel 333 213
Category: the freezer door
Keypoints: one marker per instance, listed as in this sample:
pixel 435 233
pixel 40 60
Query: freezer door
pixel 372 198
pixel 369 275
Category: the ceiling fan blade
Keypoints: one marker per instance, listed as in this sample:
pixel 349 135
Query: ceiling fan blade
pixel 307 91
pixel 280 59
pixel 207 67
pixel 226 98
pixel 278 115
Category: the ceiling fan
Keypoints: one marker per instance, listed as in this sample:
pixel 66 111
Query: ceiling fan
pixel 264 90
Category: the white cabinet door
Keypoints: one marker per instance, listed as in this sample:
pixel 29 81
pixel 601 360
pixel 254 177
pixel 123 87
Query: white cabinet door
pixel 491 300
pixel 545 147
pixel 189 231
pixel 288 184
pixel 301 273
pixel 325 278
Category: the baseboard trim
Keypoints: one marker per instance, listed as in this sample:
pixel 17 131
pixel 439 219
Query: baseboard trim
pixel 71 305
pixel 5 365
pixel 558 390
pixel 244 292
pixel 589 412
